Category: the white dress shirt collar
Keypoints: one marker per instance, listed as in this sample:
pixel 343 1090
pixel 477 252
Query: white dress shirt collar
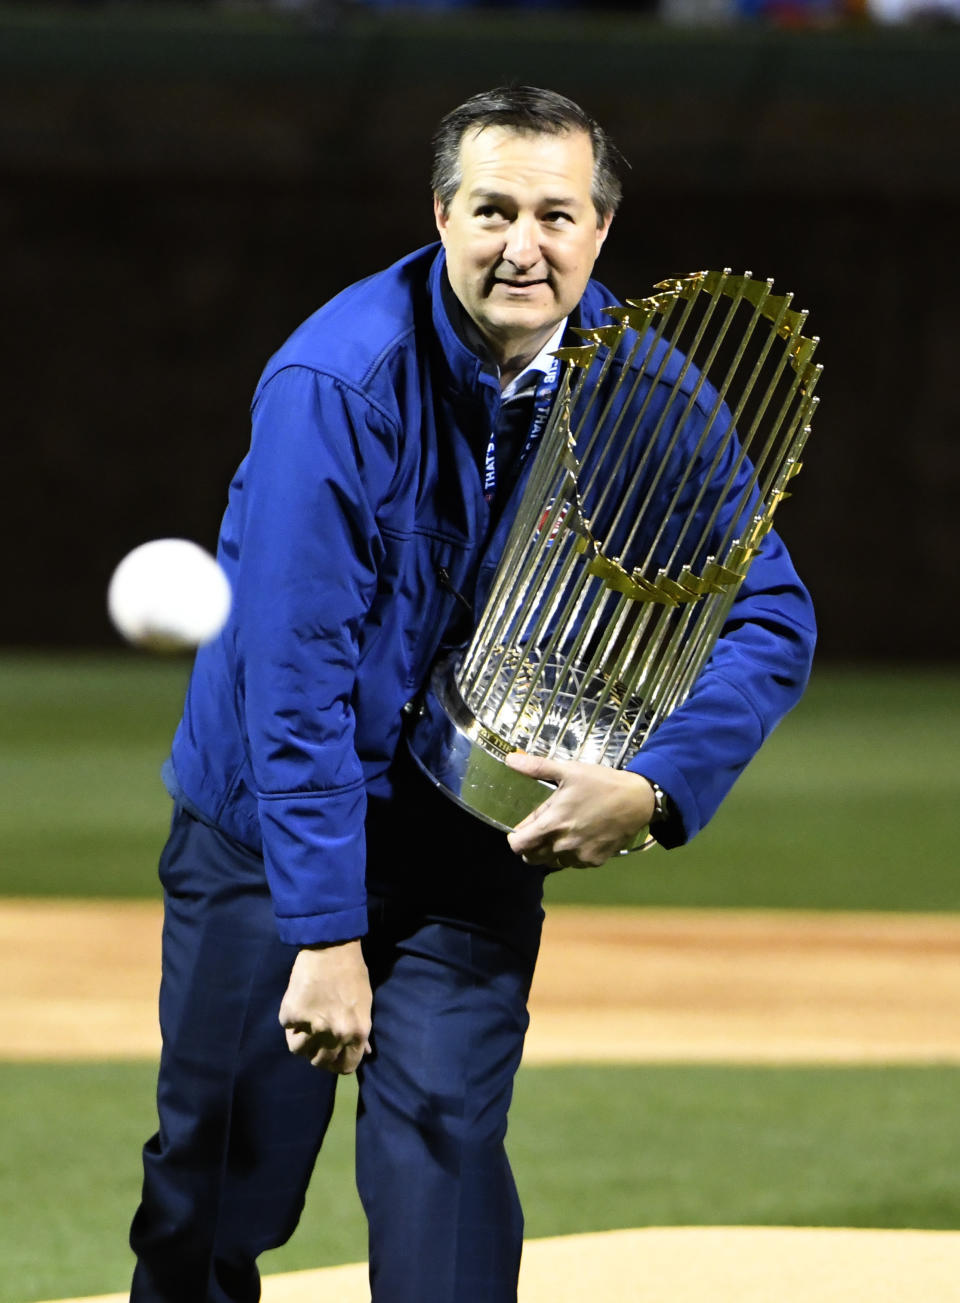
pixel 541 365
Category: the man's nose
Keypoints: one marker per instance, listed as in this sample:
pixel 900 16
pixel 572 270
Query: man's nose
pixel 522 248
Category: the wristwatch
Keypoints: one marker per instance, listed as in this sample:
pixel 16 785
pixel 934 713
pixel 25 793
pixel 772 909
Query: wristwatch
pixel 661 803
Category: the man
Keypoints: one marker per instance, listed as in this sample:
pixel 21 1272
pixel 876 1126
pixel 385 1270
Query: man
pixel 311 872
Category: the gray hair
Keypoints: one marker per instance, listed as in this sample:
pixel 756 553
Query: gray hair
pixel 532 111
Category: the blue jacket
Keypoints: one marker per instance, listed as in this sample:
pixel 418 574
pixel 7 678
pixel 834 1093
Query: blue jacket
pixel 359 487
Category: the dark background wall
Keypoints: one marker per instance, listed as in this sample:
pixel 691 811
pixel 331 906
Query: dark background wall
pixel 175 196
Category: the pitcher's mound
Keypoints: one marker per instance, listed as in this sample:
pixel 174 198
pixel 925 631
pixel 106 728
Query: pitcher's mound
pixel 694 1264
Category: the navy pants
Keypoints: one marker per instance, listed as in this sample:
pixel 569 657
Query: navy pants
pixel 242 1120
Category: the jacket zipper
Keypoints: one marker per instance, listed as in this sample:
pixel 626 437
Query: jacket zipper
pixel 443 574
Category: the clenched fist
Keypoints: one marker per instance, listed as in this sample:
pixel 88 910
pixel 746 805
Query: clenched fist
pixel 326 1008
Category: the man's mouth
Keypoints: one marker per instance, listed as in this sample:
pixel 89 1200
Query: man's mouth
pixel 517 284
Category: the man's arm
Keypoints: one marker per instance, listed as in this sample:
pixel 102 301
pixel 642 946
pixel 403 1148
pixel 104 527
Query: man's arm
pixel 756 673
pixel 309 550
pixel 307 572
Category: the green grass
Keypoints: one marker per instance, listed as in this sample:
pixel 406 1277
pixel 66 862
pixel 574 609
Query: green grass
pixel 593 1149
pixel 851 804
pixel 81 746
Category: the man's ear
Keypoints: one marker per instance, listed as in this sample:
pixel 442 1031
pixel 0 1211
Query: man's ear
pixel 440 217
pixel 603 230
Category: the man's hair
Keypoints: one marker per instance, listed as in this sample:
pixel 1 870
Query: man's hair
pixel 532 111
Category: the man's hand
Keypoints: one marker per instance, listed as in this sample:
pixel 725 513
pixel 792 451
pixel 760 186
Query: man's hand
pixel 595 813
pixel 326 1008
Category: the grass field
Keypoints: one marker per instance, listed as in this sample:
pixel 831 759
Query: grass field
pixel 850 806
pixel 592 1150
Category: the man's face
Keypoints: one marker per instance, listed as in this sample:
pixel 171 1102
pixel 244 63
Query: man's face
pixel 521 234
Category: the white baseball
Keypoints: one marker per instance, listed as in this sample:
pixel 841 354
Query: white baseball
pixel 169 595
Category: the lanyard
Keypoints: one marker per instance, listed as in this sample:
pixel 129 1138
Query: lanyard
pixel 542 402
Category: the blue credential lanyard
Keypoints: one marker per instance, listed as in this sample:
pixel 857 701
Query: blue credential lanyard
pixel 542 403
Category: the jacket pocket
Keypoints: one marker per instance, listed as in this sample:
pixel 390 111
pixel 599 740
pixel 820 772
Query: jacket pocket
pixel 440 587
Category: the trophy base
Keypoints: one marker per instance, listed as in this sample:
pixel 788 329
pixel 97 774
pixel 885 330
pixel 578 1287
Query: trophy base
pixel 465 759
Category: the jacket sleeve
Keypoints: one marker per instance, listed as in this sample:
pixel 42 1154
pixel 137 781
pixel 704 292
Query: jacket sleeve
pixel 757 671
pixel 319 461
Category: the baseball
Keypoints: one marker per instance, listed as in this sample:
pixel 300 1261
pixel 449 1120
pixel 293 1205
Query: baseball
pixel 168 595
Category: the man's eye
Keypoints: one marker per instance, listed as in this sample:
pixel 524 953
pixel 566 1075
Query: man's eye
pixel 488 210
pixel 558 218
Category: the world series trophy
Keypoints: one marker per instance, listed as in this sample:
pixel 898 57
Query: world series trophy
pixel 674 434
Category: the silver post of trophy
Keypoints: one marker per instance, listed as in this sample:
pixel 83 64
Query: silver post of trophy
pixel 675 433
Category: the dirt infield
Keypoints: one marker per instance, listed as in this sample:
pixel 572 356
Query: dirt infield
pixel 716 1264
pixel 79 981
pixel 726 987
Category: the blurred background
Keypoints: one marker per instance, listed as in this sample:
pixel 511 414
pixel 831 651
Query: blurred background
pixel 180 185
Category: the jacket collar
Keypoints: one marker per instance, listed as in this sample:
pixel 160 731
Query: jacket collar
pixel 466 369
